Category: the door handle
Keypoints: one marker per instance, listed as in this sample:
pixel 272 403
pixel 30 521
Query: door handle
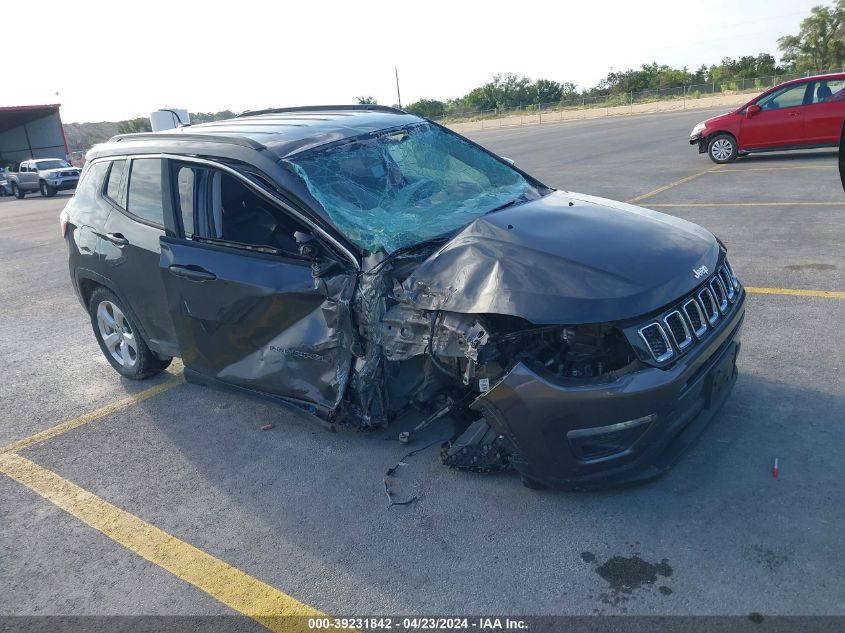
pixel 191 272
pixel 116 238
pixel 793 113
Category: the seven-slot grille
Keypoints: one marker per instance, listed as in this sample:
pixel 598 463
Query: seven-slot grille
pixel 679 328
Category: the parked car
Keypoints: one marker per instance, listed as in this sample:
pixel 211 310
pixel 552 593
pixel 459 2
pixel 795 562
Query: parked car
pixel 356 262
pixel 801 114
pixel 47 175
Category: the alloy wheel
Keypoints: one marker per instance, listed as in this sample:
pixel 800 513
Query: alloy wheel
pixel 117 334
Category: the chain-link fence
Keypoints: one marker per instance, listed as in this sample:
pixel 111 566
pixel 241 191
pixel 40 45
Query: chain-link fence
pixel 663 99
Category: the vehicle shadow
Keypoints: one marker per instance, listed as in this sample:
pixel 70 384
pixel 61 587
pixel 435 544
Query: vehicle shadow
pixel 318 498
pixel 798 155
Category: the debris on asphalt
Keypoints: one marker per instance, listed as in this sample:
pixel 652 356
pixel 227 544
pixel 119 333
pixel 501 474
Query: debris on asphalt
pixel 266 427
pixel 775 468
pixel 391 471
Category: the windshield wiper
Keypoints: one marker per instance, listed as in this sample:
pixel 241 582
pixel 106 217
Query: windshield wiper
pixel 411 248
pixel 510 203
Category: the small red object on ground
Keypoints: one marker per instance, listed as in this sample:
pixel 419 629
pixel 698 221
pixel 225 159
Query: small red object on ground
pixel 266 427
pixel 775 468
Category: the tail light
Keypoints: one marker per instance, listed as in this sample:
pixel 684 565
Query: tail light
pixel 63 220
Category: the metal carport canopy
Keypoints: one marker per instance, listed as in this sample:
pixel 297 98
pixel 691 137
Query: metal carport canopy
pixel 31 131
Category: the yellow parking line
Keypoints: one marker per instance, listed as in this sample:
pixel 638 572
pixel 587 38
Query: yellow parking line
pixel 749 204
pixel 64 427
pixel 797 292
pixel 228 585
pixel 654 192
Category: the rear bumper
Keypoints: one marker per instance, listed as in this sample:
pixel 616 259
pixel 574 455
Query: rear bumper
pixel 622 432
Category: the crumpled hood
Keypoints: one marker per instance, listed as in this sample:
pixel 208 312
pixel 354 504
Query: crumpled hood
pixel 551 263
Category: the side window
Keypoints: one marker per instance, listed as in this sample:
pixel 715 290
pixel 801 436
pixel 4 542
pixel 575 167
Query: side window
pixel 788 97
pixel 144 196
pixel 827 89
pixel 114 180
pixel 186 187
pixel 233 212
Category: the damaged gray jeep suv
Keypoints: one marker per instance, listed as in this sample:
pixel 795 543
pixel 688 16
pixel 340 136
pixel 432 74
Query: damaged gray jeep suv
pixel 358 262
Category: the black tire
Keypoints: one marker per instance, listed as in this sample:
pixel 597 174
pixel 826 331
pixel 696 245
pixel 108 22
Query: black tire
pixel 17 191
pixel 46 190
pixel 143 363
pixel 722 149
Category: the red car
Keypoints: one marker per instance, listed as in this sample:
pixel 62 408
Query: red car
pixel 800 114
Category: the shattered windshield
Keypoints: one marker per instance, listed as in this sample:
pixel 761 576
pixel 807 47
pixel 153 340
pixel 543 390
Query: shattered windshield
pixel 406 186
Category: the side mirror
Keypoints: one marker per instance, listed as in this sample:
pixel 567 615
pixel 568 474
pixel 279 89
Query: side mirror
pixel 509 161
pixel 308 245
pixel 751 110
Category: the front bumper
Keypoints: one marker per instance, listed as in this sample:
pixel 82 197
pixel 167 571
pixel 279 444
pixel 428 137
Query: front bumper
pixel 700 140
pixel 547 422
pixel 63 184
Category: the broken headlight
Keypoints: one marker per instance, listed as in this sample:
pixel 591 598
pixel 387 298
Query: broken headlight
pixel 580 351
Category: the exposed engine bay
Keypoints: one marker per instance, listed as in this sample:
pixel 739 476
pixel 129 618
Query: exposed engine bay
pixel 438 362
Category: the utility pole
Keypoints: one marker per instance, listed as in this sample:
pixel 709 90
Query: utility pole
pixel 539 106
pixel 398 96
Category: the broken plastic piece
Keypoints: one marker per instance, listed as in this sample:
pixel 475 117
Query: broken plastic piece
pixel 266 427
pixel 775 468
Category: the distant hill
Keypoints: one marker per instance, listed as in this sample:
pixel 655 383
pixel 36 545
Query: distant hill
pixel 83 136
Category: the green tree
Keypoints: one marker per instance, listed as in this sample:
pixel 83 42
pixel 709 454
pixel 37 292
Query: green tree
pixel 368 100
pixel 548 91
pixel 820 43
pixel 130 126
pixel 204 117
pixel 505 91
pixel 428 108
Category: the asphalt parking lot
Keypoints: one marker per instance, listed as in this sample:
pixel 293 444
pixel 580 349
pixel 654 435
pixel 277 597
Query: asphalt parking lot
pixel 299 512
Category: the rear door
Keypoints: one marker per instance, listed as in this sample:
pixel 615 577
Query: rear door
pixel 826 111
pixel 28 179
pixel 249 310
pixel 130 245
pixel 780 123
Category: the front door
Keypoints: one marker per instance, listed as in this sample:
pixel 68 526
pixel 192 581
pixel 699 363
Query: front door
pixel 248 308
pixel 780 122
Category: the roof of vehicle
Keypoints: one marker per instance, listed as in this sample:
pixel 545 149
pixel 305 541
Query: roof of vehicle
pixel 812 78
pixel 287 131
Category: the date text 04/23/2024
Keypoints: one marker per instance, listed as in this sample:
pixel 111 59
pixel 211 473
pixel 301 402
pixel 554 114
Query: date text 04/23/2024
pixel 419 624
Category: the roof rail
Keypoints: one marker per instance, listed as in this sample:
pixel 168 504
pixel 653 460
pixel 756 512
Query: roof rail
pixel 358 106
pixel 211 138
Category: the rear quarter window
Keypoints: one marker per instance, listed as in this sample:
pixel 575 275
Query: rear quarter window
pixel 114 180
pixel 83 207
